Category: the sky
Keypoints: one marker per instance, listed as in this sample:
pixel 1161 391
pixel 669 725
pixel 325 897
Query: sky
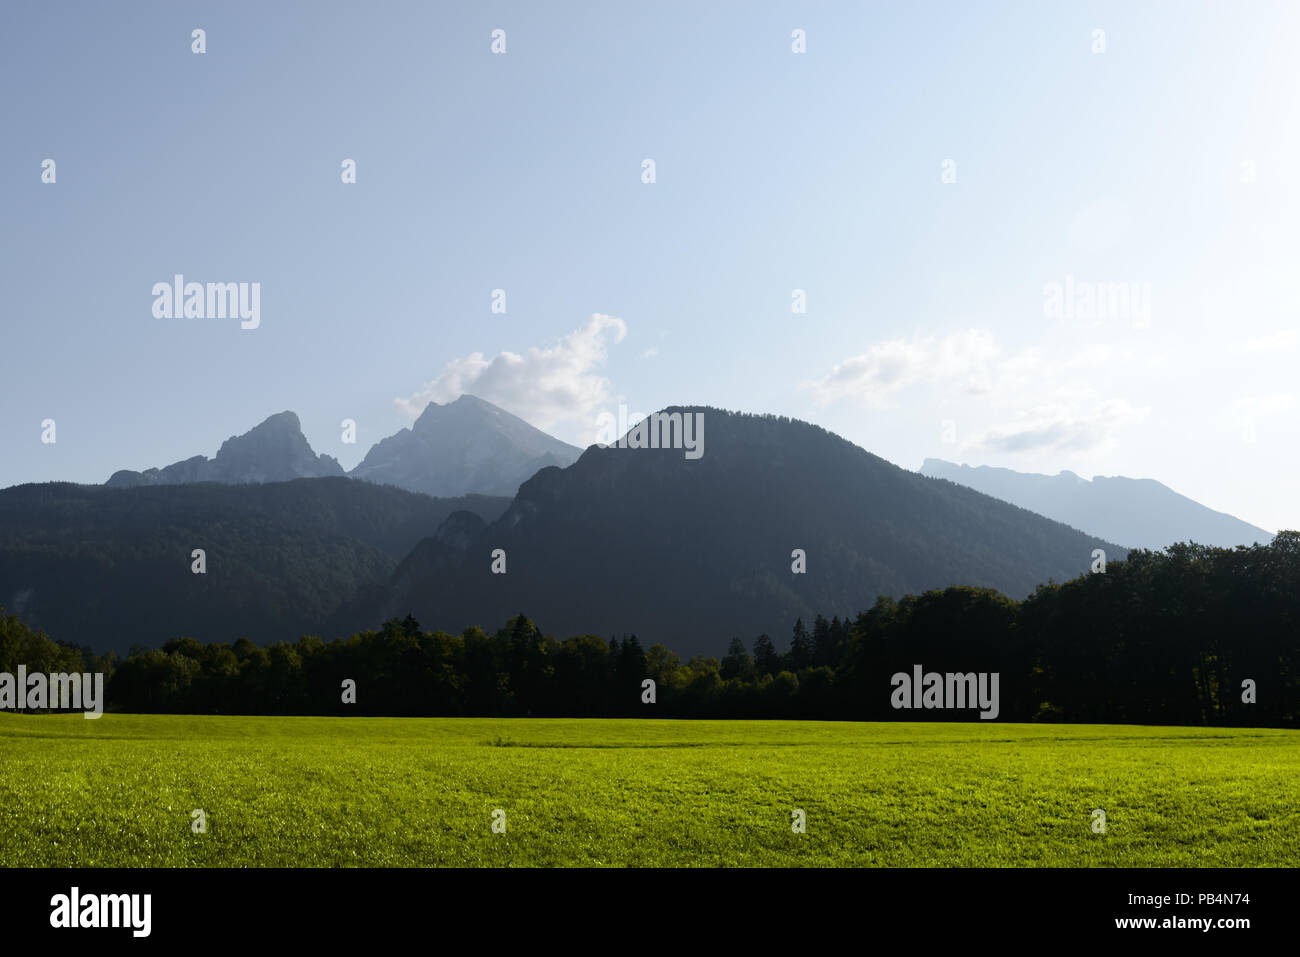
pixel 943 187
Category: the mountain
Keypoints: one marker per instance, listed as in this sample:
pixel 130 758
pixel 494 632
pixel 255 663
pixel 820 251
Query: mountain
pixel 692 552
pixel 111 567
pixel 275 451
pixel 463 446
pixel 1141 513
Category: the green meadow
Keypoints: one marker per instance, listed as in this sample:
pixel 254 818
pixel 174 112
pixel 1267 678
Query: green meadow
pixel 422 792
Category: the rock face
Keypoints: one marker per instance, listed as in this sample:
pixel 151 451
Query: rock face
pixel 464 446
pixel 1139 513
pixel 275 451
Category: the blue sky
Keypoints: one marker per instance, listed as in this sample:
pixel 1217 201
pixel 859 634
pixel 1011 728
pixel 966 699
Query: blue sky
pixel 1169 161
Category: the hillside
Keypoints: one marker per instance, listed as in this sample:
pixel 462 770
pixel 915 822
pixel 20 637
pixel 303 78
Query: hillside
pixel 111 567
pixel 691 553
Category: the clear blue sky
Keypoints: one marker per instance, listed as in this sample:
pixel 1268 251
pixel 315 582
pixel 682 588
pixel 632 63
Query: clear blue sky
pixel 775 171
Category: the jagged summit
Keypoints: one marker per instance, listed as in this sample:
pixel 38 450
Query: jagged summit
pixel 462 447
pixel 273 451
pixel 468 445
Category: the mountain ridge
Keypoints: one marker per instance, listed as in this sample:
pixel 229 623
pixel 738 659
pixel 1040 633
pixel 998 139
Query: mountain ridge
pixel 692 552
pixel 468 444
pixel 465 447
pixel 274 450
pixel 1141 513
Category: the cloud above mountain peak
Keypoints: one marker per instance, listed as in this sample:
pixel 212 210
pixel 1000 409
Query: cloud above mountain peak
pixel 543 385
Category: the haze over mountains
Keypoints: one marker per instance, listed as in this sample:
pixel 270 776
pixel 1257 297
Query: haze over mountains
pixel 464 447
pixel 1140 513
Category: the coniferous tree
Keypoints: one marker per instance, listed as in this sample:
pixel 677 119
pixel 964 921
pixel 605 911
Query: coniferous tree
pixel 737 663
pixel 766 658
pixel 801 648
pixel 823 645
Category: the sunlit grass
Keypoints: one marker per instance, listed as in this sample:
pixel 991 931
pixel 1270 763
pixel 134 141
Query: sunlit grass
pixel 279 791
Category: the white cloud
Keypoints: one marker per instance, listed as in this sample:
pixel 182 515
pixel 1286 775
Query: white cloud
pixel 1253 408
pixel 1276 342
pixel 1245 415
pixel 1039 401
pixel 1262 405
pixel 970 363
pixel 964 357
pixel 1061 428
pixel 543 386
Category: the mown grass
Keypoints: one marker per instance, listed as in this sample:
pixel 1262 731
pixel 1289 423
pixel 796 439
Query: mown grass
pixel 119 791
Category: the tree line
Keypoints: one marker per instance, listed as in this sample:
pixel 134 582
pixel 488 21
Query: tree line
pixel 1191 635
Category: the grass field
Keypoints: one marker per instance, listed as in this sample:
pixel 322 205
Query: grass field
pixel 421 792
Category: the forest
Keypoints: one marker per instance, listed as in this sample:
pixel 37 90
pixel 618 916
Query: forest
pixel 1189 635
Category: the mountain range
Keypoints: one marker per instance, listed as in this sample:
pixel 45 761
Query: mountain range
pixel 1140 513
pixel 778 519
pixel 464 447
pixel 684 551
pixel 693 552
